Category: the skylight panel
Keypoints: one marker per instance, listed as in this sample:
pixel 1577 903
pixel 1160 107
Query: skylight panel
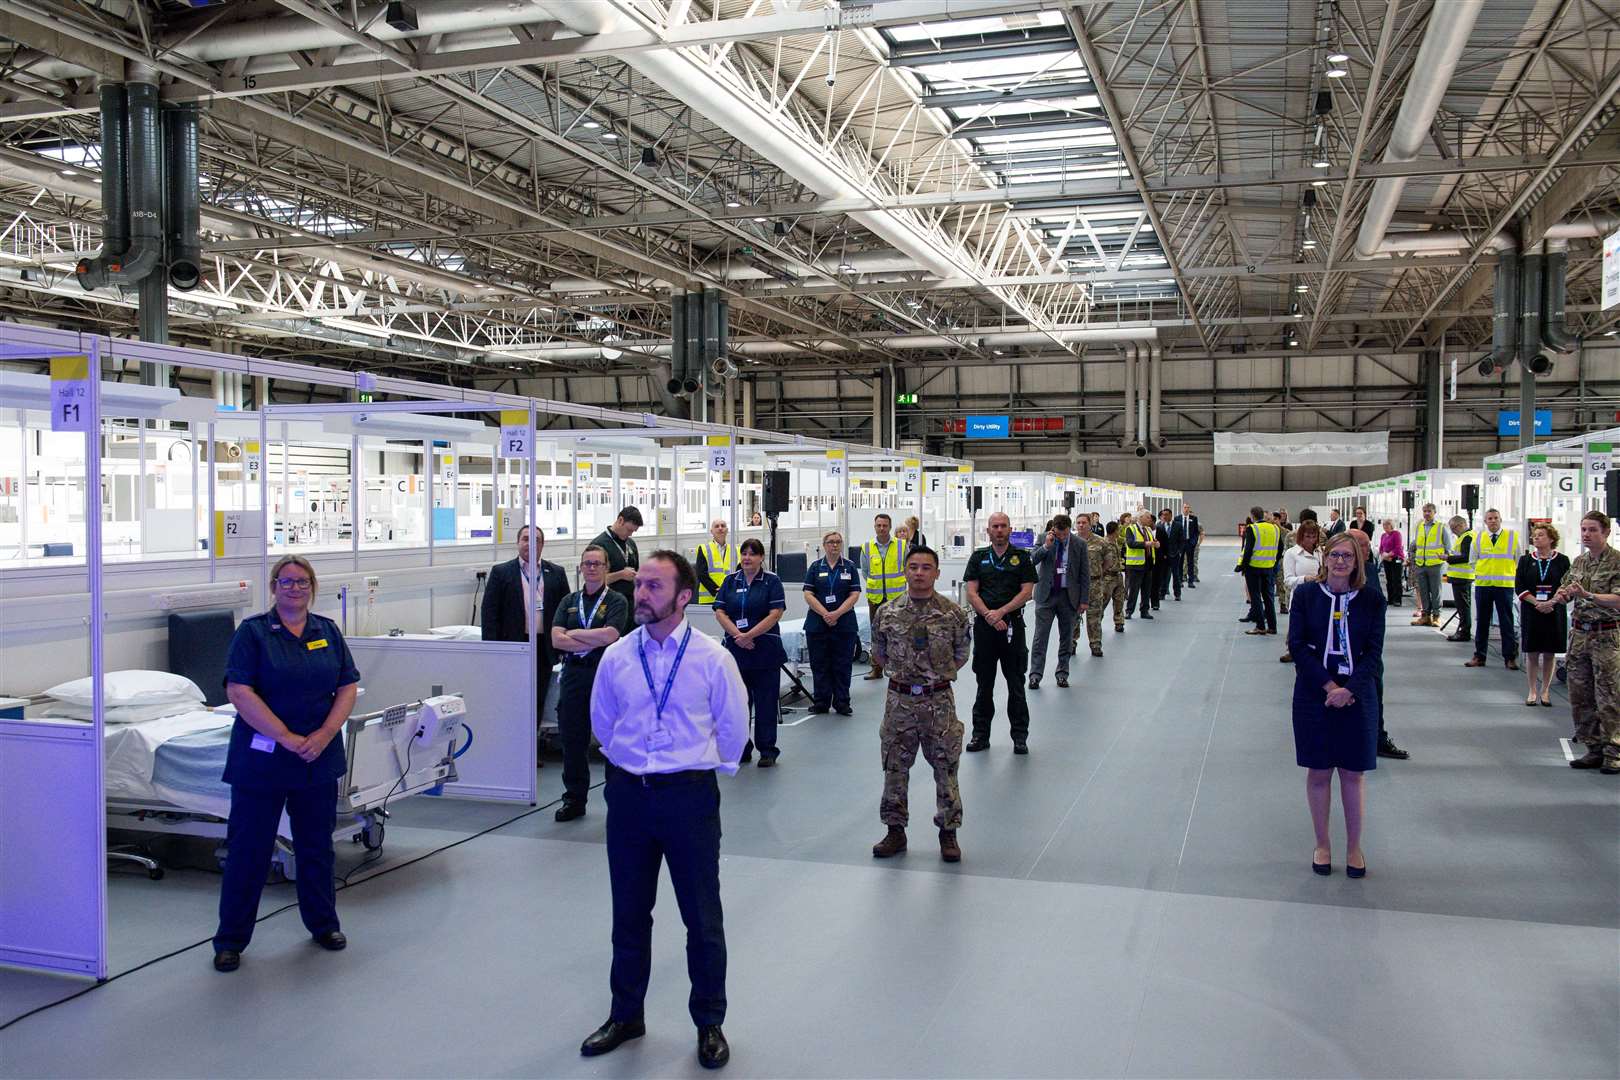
pixel 956 28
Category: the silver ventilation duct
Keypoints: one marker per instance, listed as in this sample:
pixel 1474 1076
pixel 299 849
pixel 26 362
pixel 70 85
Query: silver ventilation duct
pixel 1129 413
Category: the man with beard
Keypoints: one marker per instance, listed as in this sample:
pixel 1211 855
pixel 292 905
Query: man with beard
pixel 670 709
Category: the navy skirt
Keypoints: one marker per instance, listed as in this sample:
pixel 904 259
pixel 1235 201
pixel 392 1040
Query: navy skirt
pixel 1344 738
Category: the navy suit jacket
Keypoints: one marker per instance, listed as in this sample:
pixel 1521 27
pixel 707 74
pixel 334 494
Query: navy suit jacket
pixel 502 610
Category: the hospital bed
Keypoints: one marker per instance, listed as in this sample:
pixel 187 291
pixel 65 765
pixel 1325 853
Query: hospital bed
pixel 163 776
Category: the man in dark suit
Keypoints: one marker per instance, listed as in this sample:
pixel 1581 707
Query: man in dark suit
pixel 1336 525
pixel 506 608
pixel 1062 589
pixel 1187 534
pixel 1167 556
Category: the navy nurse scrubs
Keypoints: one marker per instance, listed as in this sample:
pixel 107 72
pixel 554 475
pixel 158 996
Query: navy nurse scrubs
pixel 298 677
pixel 832 648
pixel 761 666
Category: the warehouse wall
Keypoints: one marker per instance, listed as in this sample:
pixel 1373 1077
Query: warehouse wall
pixel 1221 511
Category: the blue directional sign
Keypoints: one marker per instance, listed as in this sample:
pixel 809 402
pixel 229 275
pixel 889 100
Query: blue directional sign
pixel 1507 423
pixel 989 427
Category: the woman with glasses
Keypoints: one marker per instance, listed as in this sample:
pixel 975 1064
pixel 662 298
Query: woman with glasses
pixel 1543 624
pixel 748 606
pixel 293 682
pixel 1301 564
pixel 1336 637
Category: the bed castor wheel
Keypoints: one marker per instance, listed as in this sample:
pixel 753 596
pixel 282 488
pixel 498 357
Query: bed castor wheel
pixel 156 873
pixel 371 837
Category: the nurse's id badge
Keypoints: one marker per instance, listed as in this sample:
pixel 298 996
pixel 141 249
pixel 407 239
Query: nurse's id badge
pixel 318 643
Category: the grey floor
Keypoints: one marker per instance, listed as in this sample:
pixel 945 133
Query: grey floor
pixel 1134 900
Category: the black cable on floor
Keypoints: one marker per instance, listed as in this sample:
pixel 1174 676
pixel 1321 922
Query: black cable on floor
pixel 345 884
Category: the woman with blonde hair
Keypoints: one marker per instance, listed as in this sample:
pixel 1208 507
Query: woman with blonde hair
pixel 1543 624
pixel 1336 638
pixel 914 534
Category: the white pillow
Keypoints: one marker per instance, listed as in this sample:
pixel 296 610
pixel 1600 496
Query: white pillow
pixel 457 633
pixel 123 714
pixel 131 688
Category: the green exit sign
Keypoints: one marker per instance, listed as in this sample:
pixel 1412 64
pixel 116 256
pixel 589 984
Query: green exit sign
pixel 365 397
pixel 905 399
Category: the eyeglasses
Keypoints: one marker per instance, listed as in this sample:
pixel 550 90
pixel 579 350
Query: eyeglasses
pixel 290 584
pixel 1341 555
pixel 592 564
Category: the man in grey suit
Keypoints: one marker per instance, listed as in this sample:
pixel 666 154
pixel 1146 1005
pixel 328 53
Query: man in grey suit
pixel 1062 587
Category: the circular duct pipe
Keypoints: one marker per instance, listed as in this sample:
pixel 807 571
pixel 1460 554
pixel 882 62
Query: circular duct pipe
pixel 1539 364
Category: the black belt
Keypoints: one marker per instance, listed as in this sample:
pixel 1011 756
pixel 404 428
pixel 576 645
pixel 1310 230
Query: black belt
pixel 1595 627
pixel 593 657
pixel 917 689
pixel 665 779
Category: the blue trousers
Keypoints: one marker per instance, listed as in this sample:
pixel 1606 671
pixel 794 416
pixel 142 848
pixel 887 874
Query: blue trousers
pixel 765 695
pixel 251 841
pixel 1487 597
pixel 832 665
pixel 676 818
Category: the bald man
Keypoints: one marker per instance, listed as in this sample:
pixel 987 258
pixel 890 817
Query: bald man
pixel 999 581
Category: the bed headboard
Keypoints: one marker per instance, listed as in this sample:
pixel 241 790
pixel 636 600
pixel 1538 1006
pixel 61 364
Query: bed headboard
pixel 198 644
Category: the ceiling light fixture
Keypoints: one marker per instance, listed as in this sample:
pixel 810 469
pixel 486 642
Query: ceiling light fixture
pixel 1302 287
pixel 590 124
pixel 1310 243
pixel 610 136
pixel 1321 162
pixel 761 220
pixel 1337 72
pixel 1338 56
pixel 733 204
pixel 1318 183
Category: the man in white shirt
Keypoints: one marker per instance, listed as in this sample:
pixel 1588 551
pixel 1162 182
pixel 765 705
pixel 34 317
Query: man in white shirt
pixel 670 709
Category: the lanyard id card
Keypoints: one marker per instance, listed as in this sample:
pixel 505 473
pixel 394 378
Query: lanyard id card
pixel 742 624
pixel 659 738
pixel 264 743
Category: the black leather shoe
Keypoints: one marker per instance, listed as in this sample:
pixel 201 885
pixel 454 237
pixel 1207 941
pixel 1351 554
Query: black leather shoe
pixel 818 710
pixel 1020 748
pixel 844 710
pixel 1034 682
pixel 1063 682
pixel 227 960
pixel 1145 615
pixel 332 941
pixel 1387 748
pixel 767 762
pixel 568 811
pixel 713 1051
pixel 610 1036
pixel 975 745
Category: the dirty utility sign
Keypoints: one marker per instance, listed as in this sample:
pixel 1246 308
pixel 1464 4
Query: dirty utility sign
pixel 70 393
pixel 1507 422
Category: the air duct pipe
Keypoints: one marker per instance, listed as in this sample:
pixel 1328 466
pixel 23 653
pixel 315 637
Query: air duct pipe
pixel 1129 413
pixel 184 196
pixel 1156 388
pixel 145 194
pixel 1555 334
pixel 114 185
pixel 1449 240
pixel 1504 319
pixel 1443 42
pixel 1530 271
pixel 1144 367
pixel 677 350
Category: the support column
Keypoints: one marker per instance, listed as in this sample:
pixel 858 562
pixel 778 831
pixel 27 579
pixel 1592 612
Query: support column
pixel 1433 401
pixel 748 393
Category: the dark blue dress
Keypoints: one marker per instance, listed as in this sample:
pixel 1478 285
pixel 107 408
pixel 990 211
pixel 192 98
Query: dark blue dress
pixel 1344 738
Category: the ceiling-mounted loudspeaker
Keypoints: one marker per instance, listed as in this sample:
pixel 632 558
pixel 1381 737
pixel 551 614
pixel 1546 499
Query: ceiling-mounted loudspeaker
pixel 649 157
pixel 1540 364
pixel 1324 102
pixel 1308 200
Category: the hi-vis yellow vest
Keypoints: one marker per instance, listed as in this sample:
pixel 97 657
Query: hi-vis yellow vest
pixel 1495 564
pixel 1136 556
pixel 885 575
pixel 1429 544
pixel 1462 571
pixel 721 563
pixel 1266 538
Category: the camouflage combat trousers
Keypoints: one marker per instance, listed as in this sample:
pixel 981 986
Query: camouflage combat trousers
pixel 1593 666
pixel 929 722
pixel 1111 591
pixel 1282 593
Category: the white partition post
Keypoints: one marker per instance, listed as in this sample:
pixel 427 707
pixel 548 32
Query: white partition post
pixel 53 849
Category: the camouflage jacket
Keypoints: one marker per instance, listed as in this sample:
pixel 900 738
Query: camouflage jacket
pixel 1600 575
pixel 921 641
pixel 1103 555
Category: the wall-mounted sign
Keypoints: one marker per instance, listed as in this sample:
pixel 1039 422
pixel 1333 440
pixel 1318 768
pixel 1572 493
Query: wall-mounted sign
pixel 988 427
pixel 70 393
pixel 517 436
pixel 837 464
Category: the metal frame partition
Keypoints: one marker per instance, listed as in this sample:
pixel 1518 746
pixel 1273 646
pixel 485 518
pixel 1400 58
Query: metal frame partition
pixel 1557 481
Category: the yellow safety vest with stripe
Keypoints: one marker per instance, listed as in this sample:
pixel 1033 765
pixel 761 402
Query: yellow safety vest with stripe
pixel 721 562
pixel 1267 539
pixel 1137 556
pixel 1462 571
pixel 885 574
pixel 1429 547
pixel 1495 563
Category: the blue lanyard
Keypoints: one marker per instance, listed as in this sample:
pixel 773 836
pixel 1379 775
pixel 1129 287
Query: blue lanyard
pixel 995 563
pixel 586 617
pixel 1542 567
pixel 659 701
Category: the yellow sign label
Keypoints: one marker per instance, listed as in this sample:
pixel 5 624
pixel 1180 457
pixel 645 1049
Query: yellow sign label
pixel 964 468
pixel 717 440
pixel 514 418
pixel 65 368
pixel 835 455
pixel 913 463
pixel 318 643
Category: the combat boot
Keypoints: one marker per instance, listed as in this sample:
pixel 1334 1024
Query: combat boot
pixel 948 849
pixel 1592 759
pixel 892 844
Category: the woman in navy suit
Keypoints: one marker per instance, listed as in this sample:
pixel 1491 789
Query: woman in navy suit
pixel 1336 637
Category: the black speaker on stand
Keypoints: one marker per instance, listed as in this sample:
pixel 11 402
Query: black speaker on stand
pixel 776 502
pixel 1470 501
pixel 1611 490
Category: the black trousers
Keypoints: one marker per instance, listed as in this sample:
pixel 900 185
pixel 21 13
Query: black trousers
pixel 765 695
pixel 1161 580
pixel 1461 597
pixel 542 685
pixel 1173 567
pixel 1262 598
pixel 1392 581
pixel 250 842
pixel 675 819
pixel 1499 597
pixel 832 663
pixel 1138 587
pixel 994 650
pixel 1189 555
pixel 574 727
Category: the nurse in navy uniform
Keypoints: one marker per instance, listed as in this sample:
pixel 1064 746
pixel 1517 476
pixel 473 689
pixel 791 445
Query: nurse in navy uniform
pixel 748 606
pixel 293 682
pixel 832 587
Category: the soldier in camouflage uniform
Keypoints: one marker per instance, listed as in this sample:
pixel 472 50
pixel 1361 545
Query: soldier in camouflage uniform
pixel 922 640
pixel 1592 588
pixel 1286 528
pixel 1106 585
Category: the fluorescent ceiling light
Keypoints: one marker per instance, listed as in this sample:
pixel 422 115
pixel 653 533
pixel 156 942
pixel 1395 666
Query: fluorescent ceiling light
pixel 1318 183
pixel 1338 56
pixel 1337 72
pixel 591 124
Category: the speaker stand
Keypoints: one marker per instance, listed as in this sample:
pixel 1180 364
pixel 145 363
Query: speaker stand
pixel 772 519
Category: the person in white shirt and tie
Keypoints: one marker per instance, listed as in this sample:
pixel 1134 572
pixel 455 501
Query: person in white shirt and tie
pixel 670 710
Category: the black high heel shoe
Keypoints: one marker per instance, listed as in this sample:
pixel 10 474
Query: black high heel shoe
pixel 1355 871
pixel 1323 868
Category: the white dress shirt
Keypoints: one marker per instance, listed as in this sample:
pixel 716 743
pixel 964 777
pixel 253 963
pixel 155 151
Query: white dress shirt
pixel 706 715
